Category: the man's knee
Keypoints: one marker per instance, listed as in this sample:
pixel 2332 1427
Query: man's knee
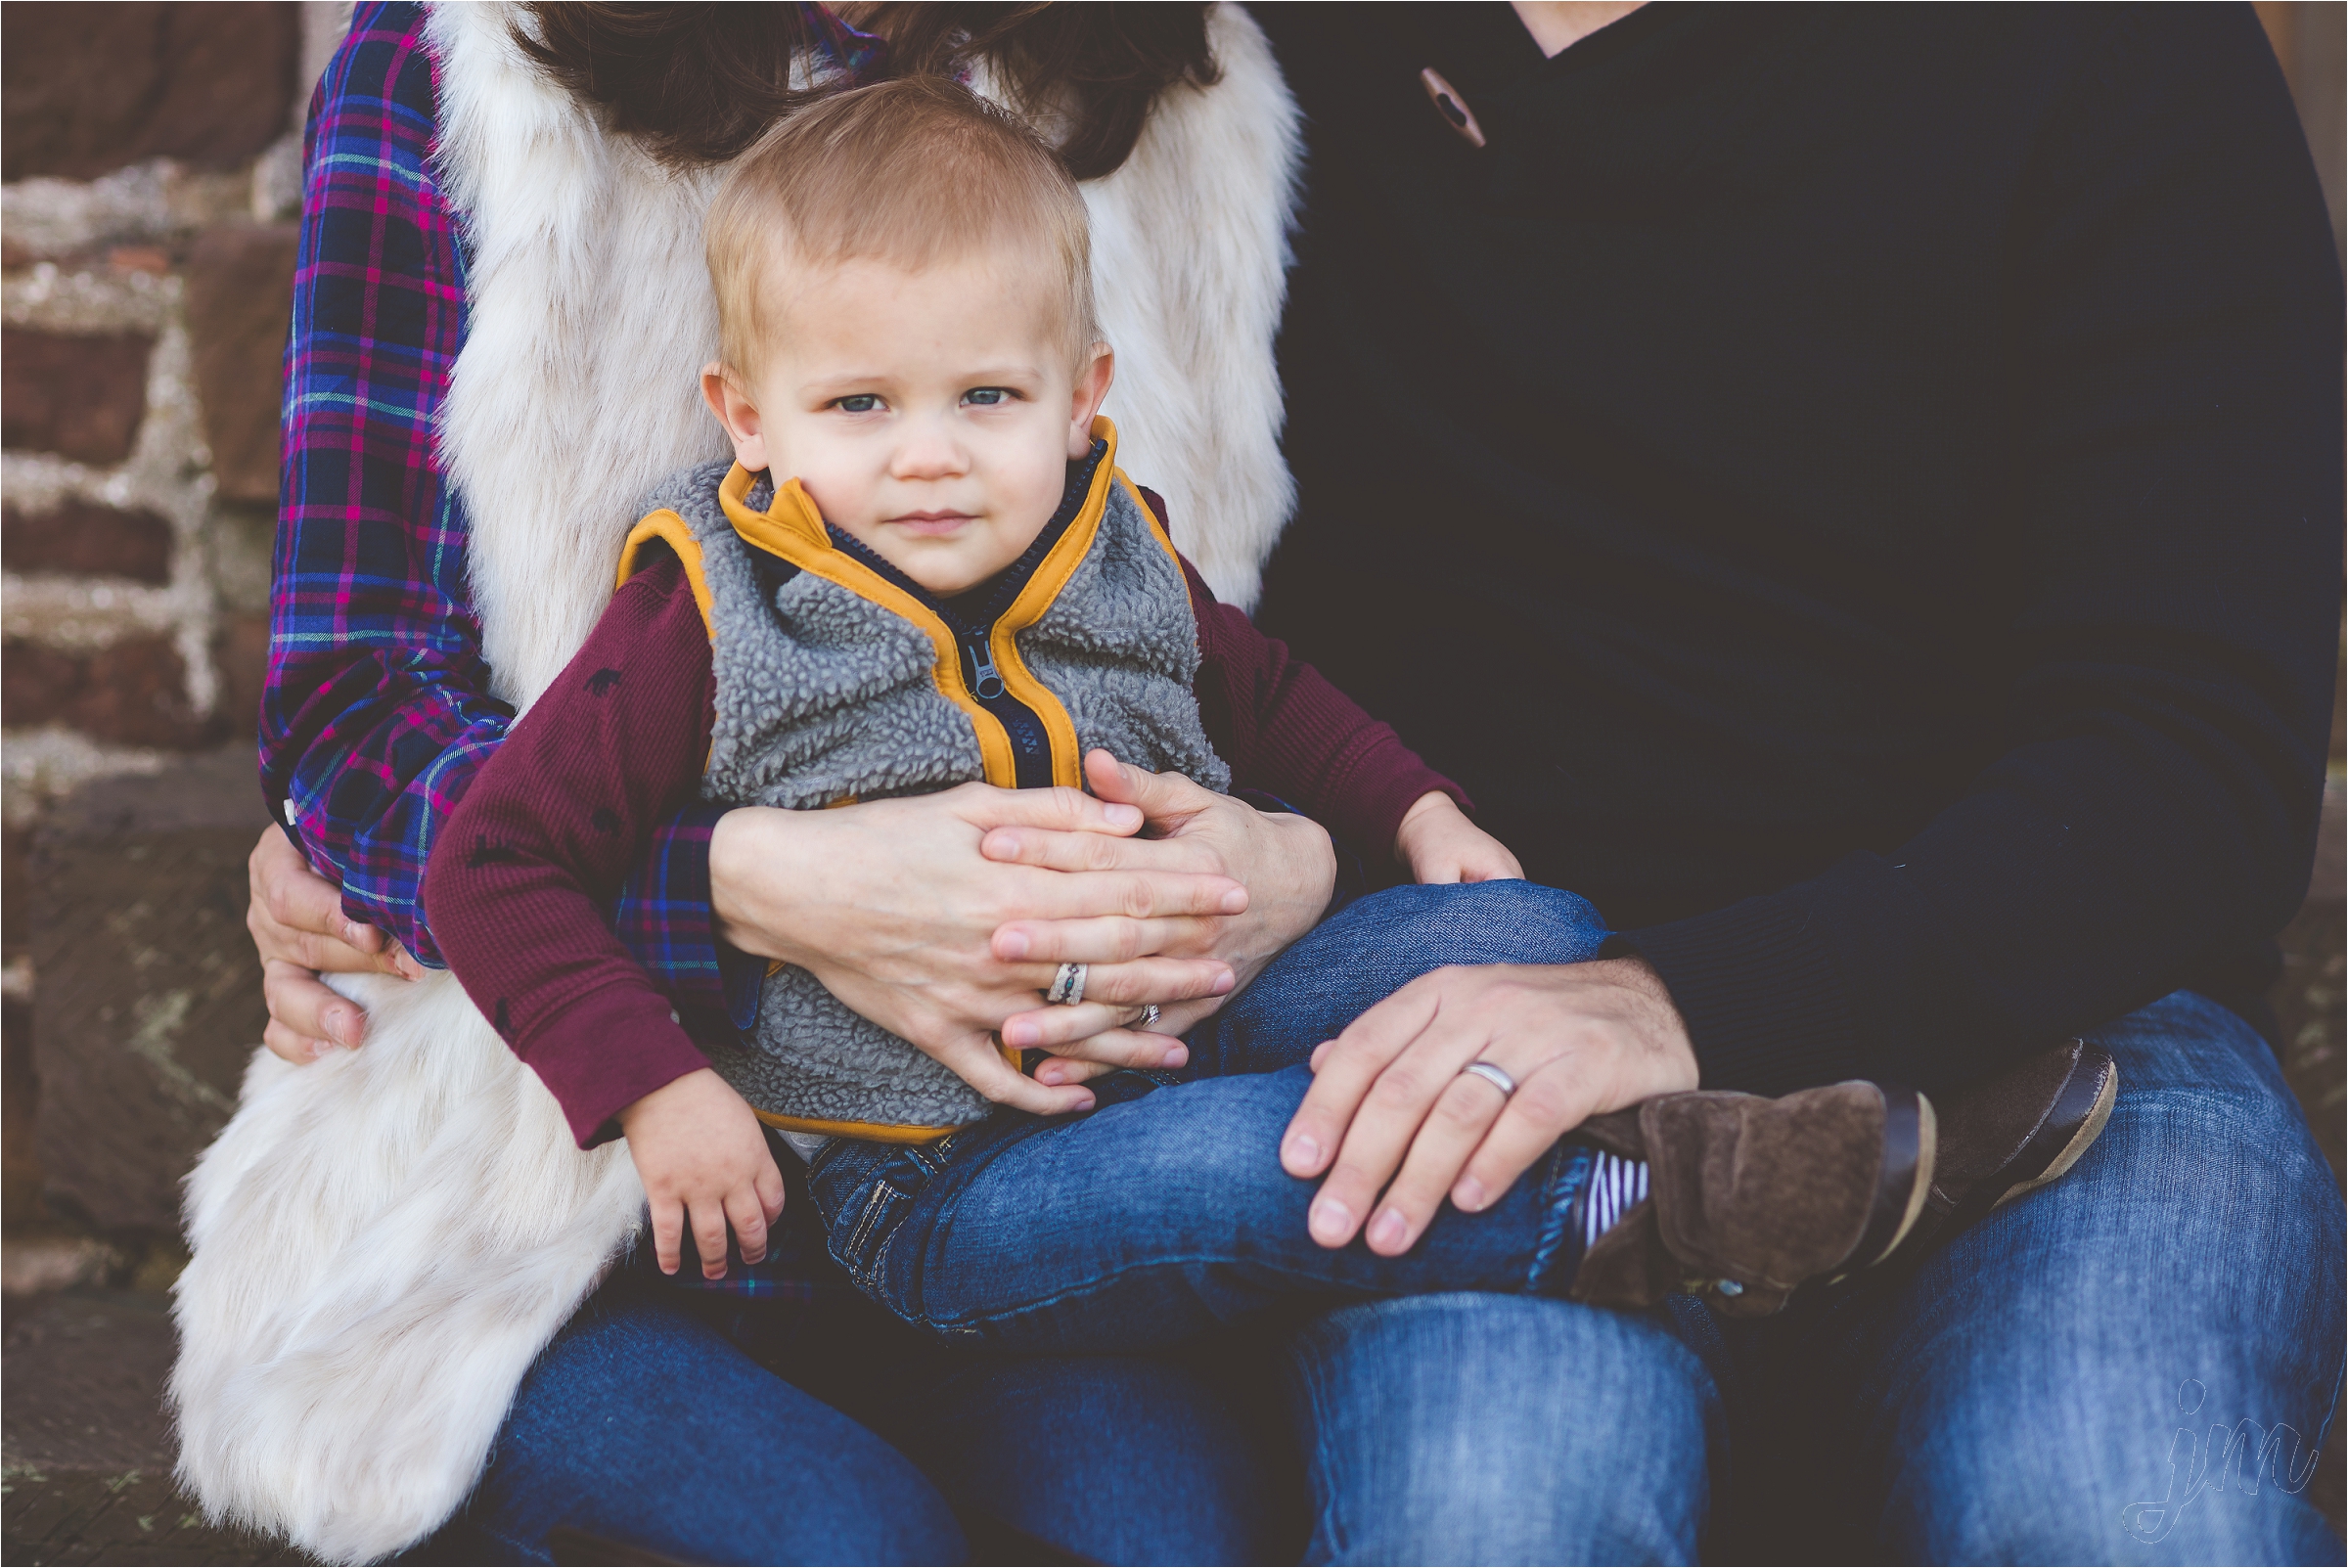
pixel 1502 1429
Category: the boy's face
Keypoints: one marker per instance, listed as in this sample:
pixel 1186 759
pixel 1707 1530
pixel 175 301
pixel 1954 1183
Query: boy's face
pixel 932 414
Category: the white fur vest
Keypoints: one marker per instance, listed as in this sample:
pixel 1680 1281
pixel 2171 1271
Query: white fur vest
pixel 385 1240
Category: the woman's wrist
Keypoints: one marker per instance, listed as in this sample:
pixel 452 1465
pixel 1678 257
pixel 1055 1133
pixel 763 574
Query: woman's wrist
pixel 751 853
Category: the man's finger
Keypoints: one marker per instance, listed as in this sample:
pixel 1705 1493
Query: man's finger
pixel 1463 1113
pixel 305 1007
pixel 1547 1106
pixel 708 1221
pixel 1343 1071
pixel 668 1226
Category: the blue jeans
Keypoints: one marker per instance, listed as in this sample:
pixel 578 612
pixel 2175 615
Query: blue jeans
pixel 2137 1364
pixel 2021 1397
pixel 652 1422
pixel 1164 1213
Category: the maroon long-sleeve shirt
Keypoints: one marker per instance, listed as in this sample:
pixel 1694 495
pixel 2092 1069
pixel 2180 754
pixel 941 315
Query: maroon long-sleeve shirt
pixel 520 891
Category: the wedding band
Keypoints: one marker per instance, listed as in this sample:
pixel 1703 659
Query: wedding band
pixel 1495 1076
pixel 1149 1016
pixel 1067 986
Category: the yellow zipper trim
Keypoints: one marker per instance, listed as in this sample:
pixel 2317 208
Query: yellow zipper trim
pixel 666 528
pixel 1155 531
pixel 1051 576
pixel 792 529
pixel 870 1132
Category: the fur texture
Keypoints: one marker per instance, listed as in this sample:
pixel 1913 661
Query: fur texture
pixel 383 1241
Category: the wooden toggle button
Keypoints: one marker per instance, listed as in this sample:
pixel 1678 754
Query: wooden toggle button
pixel 1452 107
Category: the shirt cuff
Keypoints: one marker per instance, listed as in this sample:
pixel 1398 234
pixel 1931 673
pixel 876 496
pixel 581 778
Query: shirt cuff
pixel 1764 1000
pixel 665 917
pixel 1378 788
pixel 606 1051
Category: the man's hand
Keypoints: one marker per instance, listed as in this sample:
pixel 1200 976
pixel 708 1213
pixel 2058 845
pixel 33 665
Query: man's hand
pixel 1284 863
pixel 1439 844
pixel 1388 1095
pixel 296 921
pixel 704 1162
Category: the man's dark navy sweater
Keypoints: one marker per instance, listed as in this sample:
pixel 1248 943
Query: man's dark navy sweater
pixel 1854 491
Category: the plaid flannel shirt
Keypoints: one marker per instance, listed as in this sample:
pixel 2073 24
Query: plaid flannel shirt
pixel 376 710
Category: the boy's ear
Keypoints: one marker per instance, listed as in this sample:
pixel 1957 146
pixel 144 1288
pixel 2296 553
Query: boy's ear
pixel 1092 385
pixel 737 414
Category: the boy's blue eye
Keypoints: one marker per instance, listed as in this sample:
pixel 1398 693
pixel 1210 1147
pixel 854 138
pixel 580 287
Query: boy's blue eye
pixel 986 397
pixel 856 403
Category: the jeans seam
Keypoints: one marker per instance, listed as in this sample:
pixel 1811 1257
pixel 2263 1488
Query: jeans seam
pixel 1326 1517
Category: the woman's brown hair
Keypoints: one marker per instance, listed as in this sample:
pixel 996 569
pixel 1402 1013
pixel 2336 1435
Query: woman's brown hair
pixel 696 83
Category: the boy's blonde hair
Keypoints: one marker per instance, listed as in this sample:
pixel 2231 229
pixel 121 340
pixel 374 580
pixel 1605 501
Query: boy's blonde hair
pixel 910 171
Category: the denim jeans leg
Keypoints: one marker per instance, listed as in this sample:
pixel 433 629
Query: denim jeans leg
pixel 1501 1429
pixel 1110 1458
pixel 1375 946
pixel 2135 1363
pixel 643 1425
pixel 1146 1223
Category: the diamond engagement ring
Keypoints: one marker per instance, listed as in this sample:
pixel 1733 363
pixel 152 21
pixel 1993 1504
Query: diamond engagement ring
pixel 1149 1016
pixel 1496 1077
pixel 1067 986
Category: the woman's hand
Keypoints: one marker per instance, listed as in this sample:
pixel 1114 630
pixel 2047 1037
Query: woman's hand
pixel 892 907
pixel 1390 1094
pixel 296 921
pixel 1284 863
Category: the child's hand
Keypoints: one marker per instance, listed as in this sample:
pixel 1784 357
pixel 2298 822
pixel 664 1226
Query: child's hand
pixel 1439 844
pixel 703 1159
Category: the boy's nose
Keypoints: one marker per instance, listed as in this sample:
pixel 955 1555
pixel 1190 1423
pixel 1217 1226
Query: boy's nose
pixel 929 453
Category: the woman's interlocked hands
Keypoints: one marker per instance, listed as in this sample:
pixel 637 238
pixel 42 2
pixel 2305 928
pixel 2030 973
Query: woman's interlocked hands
pixel 944 917
pixel 1284 864
pixel 1390 1102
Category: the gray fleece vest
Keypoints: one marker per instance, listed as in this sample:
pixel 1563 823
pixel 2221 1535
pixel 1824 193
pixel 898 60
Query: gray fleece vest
pixel 834 684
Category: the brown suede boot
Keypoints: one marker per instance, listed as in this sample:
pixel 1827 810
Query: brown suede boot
pixel 2008 1134
pixel 1748 1198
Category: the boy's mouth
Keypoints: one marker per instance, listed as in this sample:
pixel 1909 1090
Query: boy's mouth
pixel 931 523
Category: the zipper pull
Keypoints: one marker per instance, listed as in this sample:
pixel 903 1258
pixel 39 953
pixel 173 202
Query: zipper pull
pixel 985 682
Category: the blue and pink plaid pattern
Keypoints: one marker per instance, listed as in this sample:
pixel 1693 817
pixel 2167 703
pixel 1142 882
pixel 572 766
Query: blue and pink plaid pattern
pixel 377 713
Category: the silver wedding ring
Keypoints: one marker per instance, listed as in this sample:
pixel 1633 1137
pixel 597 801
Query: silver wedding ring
pixel 1496 1077
pixel 1067 986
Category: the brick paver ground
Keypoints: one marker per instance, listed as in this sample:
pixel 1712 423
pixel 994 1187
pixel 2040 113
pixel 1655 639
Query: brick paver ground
pixel 85 1449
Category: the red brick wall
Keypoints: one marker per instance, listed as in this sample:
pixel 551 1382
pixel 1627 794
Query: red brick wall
pixel 151 158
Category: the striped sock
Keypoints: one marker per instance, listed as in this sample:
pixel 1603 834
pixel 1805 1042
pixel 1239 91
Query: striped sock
pixel 1615 1183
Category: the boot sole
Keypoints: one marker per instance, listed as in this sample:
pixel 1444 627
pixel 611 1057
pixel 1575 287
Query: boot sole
pixel 2099 1097
pixel 1910 1139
